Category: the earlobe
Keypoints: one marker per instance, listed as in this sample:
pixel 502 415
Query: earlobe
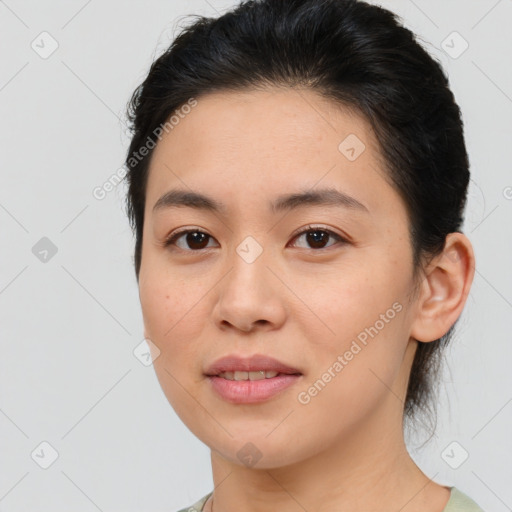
pixel 446 285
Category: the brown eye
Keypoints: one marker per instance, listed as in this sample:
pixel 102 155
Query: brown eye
pixel 318 238
pixel 193 239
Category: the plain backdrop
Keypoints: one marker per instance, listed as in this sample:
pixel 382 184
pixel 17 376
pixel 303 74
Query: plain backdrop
pixel 70 316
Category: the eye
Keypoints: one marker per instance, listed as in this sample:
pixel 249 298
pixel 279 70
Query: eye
pixel 318 237
pixel 193 238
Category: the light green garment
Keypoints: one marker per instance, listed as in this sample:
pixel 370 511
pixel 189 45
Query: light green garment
pixel 458 502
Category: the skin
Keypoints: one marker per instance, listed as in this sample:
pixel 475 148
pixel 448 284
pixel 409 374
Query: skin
pixel 301 305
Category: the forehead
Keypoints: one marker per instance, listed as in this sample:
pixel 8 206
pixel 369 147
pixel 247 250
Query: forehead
pixel 266 140
pixel 274 116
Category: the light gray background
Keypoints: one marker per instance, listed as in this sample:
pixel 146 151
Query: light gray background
pixel 68 326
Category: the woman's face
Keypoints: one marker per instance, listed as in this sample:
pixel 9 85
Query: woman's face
pixel 322 286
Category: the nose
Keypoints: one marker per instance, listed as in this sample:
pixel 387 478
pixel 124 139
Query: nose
pixel 250 297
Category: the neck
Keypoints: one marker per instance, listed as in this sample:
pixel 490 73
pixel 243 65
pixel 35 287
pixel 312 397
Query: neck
pixel 369 469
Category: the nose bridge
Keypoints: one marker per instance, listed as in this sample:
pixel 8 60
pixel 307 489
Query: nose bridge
pixel 250 250
pixel 248 294
pixel 249 263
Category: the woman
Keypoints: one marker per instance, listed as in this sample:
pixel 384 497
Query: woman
pixel 297 181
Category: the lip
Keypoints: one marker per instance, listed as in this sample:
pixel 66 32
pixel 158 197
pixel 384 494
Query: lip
pixel 233 362
pixel 251 391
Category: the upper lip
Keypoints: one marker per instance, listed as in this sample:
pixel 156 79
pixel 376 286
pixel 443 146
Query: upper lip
pixel 233 362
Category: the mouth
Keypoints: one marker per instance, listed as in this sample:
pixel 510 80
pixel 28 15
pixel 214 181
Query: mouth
pixel 250 380
pixel 253 375
pixel 254 367
pixel 243 390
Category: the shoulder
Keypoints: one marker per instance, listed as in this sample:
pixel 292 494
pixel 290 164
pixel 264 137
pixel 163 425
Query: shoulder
pixel 460 502
pixel 198 505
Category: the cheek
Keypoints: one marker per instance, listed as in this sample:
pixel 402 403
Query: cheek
pixel 364 322
pixel 353 375
pixel 170 309
pixel 348 302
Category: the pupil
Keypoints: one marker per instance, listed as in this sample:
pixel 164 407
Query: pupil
pixel 316 238
pixel 196 238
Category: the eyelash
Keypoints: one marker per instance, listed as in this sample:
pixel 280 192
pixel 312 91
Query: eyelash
pixel 171 239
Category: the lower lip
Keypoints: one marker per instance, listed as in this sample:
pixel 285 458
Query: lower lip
pixel 251 391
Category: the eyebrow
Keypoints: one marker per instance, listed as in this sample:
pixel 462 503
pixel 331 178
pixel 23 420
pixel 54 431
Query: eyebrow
pixel 319 197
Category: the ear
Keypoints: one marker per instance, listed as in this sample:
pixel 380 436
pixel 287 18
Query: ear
pixel 444 290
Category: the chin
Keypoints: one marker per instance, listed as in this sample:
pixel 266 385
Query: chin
pixel 258 451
